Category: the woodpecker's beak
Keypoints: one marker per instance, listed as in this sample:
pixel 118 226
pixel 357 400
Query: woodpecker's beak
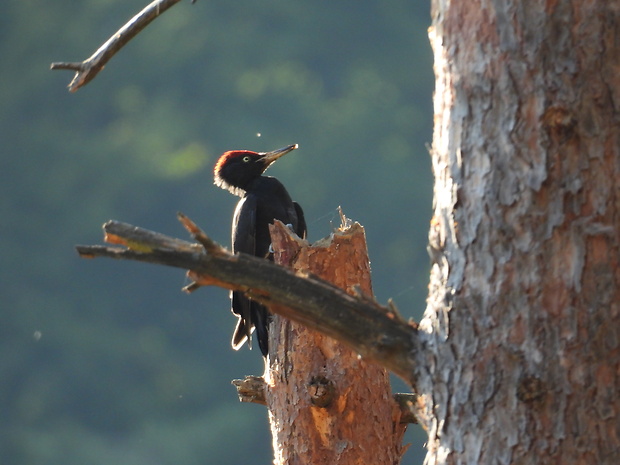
pixel 270 157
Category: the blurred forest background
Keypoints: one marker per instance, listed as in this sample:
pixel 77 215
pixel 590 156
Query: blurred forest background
pixel 108 362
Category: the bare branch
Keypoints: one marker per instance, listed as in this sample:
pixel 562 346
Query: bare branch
pixel 87 70
pixel 370 329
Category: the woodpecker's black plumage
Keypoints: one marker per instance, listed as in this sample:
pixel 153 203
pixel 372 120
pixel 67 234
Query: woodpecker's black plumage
pixel 263 200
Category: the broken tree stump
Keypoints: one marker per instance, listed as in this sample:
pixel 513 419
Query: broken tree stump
pixel 326 403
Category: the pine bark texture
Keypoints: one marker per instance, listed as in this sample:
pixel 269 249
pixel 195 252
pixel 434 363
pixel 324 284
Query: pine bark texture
pixel 523 318
pixel 326 404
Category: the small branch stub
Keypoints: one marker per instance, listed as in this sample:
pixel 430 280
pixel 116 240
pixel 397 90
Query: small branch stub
pixel 209 244
pixel 251 389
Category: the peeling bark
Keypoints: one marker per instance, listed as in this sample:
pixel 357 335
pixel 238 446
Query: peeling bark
pixel 523 317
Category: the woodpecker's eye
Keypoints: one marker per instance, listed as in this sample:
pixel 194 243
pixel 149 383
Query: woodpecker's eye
pixel 246 159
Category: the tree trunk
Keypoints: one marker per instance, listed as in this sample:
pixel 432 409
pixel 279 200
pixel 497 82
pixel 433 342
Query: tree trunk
pixel 523 318
pixel 326 404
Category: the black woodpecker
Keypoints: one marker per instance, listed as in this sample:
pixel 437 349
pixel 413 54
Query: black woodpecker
pixel 263 200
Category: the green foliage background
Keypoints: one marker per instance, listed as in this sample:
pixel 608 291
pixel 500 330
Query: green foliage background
pixel 108 362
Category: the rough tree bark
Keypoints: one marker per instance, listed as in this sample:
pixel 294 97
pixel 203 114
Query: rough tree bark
pixel 523 318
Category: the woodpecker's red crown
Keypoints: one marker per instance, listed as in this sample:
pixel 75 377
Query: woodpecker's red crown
pixel 235 169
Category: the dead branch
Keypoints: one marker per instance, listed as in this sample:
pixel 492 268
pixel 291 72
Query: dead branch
pixel 373 331
pixel 87 70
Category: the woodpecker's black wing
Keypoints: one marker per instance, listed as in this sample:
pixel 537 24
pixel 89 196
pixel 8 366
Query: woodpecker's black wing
pixel 243 240
pixel 268 200
pixel 301 230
